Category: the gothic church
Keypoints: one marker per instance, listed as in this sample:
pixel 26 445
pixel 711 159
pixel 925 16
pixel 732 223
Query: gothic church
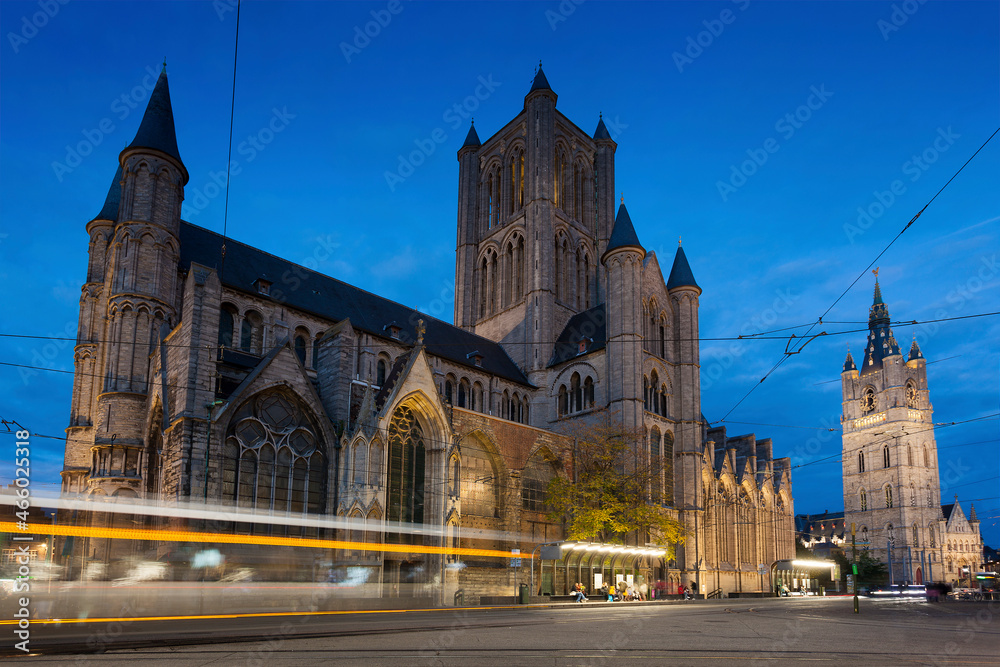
pixel 209 369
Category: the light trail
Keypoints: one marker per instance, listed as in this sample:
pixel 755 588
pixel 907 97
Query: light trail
pixel 224 538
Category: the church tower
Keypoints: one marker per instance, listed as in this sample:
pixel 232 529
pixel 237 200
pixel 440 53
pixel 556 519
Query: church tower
pixel 623 264
pixel 891 487
pixel 128 303
pixel 533 201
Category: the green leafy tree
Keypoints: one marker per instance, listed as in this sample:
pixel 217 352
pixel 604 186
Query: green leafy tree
pixel 610 493
pixel 871 571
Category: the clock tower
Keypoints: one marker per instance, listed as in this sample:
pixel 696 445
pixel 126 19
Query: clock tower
pixel 891 488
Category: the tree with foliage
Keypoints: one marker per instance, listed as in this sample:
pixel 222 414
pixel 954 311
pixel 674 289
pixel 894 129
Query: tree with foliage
pixel 609 495
pixel 871 571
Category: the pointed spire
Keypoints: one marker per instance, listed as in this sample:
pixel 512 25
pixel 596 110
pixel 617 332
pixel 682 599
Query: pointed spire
pixel 881 341
pixel 915 352
pixel 472 138
pixel 540 82
pixel 156 131
pixel 602 130
pixel 113 200
pixel 849 363
pixel 623 235
pixel 972 513
pixel 680 273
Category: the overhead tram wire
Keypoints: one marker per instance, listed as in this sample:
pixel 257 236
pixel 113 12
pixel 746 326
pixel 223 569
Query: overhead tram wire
pixel 805 336
pixel 229 162
pixel 899 325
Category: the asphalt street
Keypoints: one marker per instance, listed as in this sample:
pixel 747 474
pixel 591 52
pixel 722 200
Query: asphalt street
pixel 789 631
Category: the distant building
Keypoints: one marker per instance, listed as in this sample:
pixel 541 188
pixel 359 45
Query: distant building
pixel 258 383
pixel 826 534
pixel 891 479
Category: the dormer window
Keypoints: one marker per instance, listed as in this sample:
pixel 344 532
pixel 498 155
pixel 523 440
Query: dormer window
pixel 263 286
pixel 581 346
pixel 476 357
pixel 393 329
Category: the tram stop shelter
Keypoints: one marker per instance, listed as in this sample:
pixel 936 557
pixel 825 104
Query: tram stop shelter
pixel 591 563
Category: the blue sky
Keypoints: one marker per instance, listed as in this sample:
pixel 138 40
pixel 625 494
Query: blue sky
pixel 759 132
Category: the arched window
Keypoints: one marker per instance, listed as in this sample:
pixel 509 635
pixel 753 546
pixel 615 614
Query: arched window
pixel 888 496
pixel 463 392
pixel 576 393
pixel 300 348
pixel 517 180
pixel 864 536
pixel 663 400
pixel 272 447
pixel 588 392
pixel 913 496
pixel 916 536
pixel 655 466
pixel 477 398
pixel 861 461
pixel 405 495
pixel 484 288
pixel 380 368
pixel 864 501
pixel 227 319
pixel 447 391
pixel 885 456
pixel 646 393
pixel 535 480
pixel 252 333
pixel 668 468
pixel 375 464
pixel 927 459
pixel 360 474
pixel 563 401
pixel 480 483
pixel 931 536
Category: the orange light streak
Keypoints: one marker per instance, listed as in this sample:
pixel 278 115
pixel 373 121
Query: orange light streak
pixel 223 538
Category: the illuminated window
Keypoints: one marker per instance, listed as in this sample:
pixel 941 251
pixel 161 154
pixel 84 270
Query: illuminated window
pixel 405 498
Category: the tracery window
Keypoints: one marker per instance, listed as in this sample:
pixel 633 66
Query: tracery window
pixel 273 457
pixel 405 497
pixel 885 456
pixel 227 319
pixel 479 485
pixel 864 501
pixel 888 496
pixel 861 461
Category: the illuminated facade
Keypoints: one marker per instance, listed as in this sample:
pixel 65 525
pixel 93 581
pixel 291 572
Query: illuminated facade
pixel 892 490
pixel 258 383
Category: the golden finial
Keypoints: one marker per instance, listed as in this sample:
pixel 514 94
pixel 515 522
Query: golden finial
pixel 623 197
pixel 875 271
pixel 678 241
pixel 421 330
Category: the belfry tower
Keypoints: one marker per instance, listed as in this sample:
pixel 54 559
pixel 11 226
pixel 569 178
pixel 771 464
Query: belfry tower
pixel 891 488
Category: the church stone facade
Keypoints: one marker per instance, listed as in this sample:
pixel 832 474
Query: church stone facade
pixel 892 490
pixel 209 369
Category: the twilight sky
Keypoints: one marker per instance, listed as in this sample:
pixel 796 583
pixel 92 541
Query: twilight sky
pixel 787 143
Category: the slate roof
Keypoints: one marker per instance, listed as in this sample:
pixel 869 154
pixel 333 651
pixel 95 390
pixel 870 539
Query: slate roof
pixel 915 352
pixel 602 130
pixel 680 272
pixel 849 363
pixel 946 510
pixel 819 526
pixel 881 342
pixel 472 138
pixel 590 324
pixel 336 300
pixel 623 235
pixel 540 82
pixel 113 200
pixel 156 130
